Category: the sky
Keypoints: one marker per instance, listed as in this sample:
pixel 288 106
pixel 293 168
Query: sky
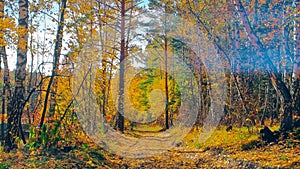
pixel 144 2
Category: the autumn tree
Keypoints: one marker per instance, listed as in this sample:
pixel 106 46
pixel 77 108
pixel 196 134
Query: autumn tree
pixel 17 103
pixel 120 117
pixel 288 100
pixel 246 53
pixel 52 85
pixel 6 92
pixel 126 10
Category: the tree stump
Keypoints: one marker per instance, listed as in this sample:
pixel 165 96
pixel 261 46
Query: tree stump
pixel 229 128
pixel 268 136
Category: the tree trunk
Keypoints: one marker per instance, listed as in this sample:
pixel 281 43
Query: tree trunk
pixel 120 117
pixel 103 37
pixel 296 73
pixel 6 97
pixel 237 76
pixel 262 121
pixel 166 83
pixel 296 70
pixel 56 57
pixel 17 103
pixel 2 112
pixel 1 53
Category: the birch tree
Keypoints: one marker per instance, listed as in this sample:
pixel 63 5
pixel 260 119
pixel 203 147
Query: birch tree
pixel 17 102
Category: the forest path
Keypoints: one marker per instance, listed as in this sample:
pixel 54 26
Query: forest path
pixel 283 155
pixel 185 158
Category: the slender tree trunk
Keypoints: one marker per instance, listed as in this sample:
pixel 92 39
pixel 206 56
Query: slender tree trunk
pixel 237 73
pixel 202 93
pixel 109 82
pixel 17 104
pixel 56 57
pixel 262 121
pixel 275 109
pixel 104 60
pixel 166 82
pixel 3 95
pixel 166 69
pixel 296 73
pixel 30 82
pixel 52 102
pixel 6 97
pixel 296 70
pixel 120 117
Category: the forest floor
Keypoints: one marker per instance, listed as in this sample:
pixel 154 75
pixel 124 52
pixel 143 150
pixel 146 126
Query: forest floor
pixel 222 150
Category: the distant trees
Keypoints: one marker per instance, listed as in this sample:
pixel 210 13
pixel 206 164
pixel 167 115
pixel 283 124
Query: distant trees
pixel 288 99
pixel 255 54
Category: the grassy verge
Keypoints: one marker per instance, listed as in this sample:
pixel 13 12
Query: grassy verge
pixel 283 154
